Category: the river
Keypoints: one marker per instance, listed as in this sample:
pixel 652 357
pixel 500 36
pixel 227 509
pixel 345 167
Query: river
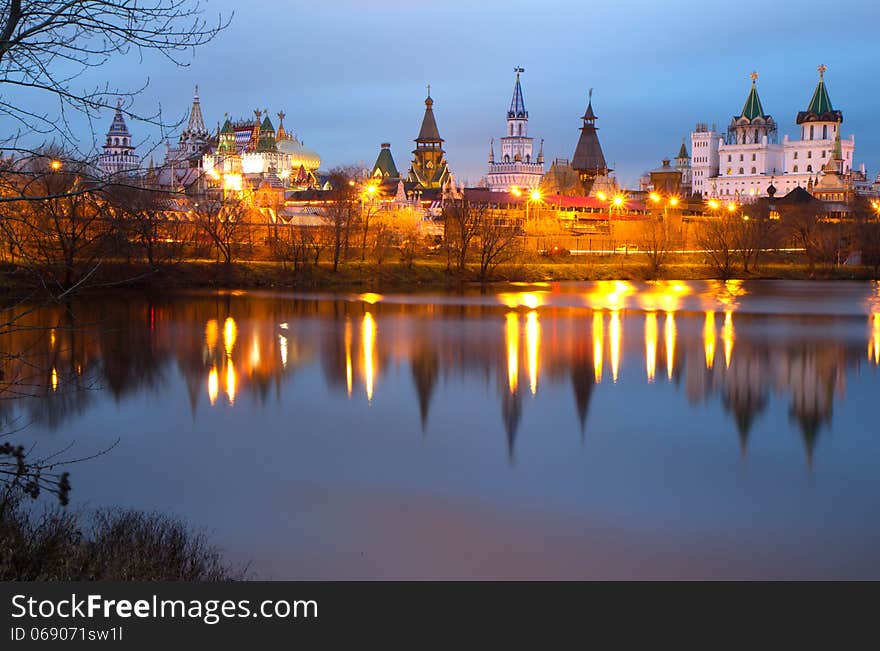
pixel 568 430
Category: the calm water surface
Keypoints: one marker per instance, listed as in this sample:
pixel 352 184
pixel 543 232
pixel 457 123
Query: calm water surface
pixel 584 430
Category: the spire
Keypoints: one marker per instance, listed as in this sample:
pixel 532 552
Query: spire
pixel 820 108
pixel 752 108
pixel 282 134
pixel 492 150
pixel 541 153
pixel 196 126
pixel 517 103
pixel 588 157
pixel 254 141
pixel 683 152
pixel 118 126
pixel 429 131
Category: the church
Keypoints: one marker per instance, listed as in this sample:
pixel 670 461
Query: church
pixel 743 163
pixel 516 167
pixel 118 156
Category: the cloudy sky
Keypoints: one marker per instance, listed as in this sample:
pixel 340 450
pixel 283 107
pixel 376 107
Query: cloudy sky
pixel 351 74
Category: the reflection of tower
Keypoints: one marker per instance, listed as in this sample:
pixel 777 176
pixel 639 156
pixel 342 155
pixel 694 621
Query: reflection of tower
pixel 511 414
pixel 425 369
pixel 582 381
pixel 744 393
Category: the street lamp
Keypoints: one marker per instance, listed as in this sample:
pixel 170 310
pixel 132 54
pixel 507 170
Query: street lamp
pixel 55 165
pixel 534 197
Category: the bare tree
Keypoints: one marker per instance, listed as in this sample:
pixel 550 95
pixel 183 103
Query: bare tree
pixel 804 225
pixel 47 45
pixel 461 225
pixel 341 210
pixel 754 234
pixel 656 242
pixel 717 237
pixel 498 241
pixel 224 222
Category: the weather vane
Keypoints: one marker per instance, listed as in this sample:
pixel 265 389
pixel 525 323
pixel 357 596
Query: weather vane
pixel 754 76
pixel 822 68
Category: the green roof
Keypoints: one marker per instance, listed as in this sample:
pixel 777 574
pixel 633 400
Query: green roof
pixel 683 152
pixel 227 127
pixel 267 125
pixel 385 164
pixel 752 108
pixel 820 103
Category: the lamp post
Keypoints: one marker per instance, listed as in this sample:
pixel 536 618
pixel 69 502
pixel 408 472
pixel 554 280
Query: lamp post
pixel 534 197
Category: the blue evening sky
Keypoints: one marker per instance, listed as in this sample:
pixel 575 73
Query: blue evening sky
pixel 352 74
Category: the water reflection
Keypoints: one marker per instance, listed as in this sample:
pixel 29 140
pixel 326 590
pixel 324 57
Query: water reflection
pixel 799 366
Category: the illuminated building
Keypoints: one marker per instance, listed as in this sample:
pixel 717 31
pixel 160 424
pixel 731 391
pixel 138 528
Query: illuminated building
pixel 429 169
pixel 118 156
pixel 588 160
pixel 516 166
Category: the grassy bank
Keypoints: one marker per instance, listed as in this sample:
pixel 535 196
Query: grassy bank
pixel 428 273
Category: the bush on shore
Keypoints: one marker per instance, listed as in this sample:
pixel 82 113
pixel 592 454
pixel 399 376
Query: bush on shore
pixel 108 545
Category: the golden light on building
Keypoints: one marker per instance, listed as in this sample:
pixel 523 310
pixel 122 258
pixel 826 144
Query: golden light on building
pixel 713 204
pixel 511 334
pixel 230 381
pixel 533 343
pixel 213 385
pixel 651 345
pixel 602 196
pixel 709 339
pixel 230 334
pixel 874 341
pixel 54 379
pixel 614 337
pixel 515 191
pixel 349 371
pixel 598 344
pixel 654 197
pixel 670 333
pixel 727 337
pixel 368 334
pixel 282 348
pixel 609 294
pixel 212 332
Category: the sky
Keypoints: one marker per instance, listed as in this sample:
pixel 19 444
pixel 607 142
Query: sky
pixel 351 74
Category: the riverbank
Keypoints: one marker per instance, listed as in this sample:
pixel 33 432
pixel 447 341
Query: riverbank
pixel 422 274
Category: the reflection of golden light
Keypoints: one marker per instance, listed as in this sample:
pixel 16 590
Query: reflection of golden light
pixel 874 343
pixel 651 345
pixel 282 345
pixel 598 344
pixel 727 337
pixel 663 295
pixel 511 331
pixel 614 342
pixel 709 338
pixel 255 352
pixel 531 300
pixel 213 385
pixel 348 369
pixel 371 298
pixel 369 339
pixel 211 332
pixel 54 380
pixel 533 342
pixel 609 294
pixel 230 334
pixel 670 332
pixel 230 381
pixel 52 337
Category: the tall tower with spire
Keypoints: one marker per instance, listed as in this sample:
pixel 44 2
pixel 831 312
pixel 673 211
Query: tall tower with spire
pixel 516 166
pixel 752 125
pixel 588 160
pixel 194 138
pixel 429 169
pixel 118 156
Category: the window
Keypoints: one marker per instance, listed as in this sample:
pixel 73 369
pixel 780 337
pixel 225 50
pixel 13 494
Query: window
pixel 811 132
pixel 741 171
pixel 754 171
pixel 809 168
pixel 795 169
pixel 754 157
pixel 729 158
pixel 740 158
pixel 809 154
pixel 795 155
pixel 825 132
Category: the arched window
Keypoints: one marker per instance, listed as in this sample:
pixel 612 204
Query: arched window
pixel 506 158
pixel 520 129
pixel 811 132
pixel 754 171
pixel 825 132
pixel 795 169
pixel 741 171
pixel 754 157
pixel 116 141
pixel 809 154
pixel 795 155
pixel 809 168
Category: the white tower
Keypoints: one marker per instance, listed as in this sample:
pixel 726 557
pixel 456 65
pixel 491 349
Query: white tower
pixel 118 156
pixel 517 166
pixel 704 158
